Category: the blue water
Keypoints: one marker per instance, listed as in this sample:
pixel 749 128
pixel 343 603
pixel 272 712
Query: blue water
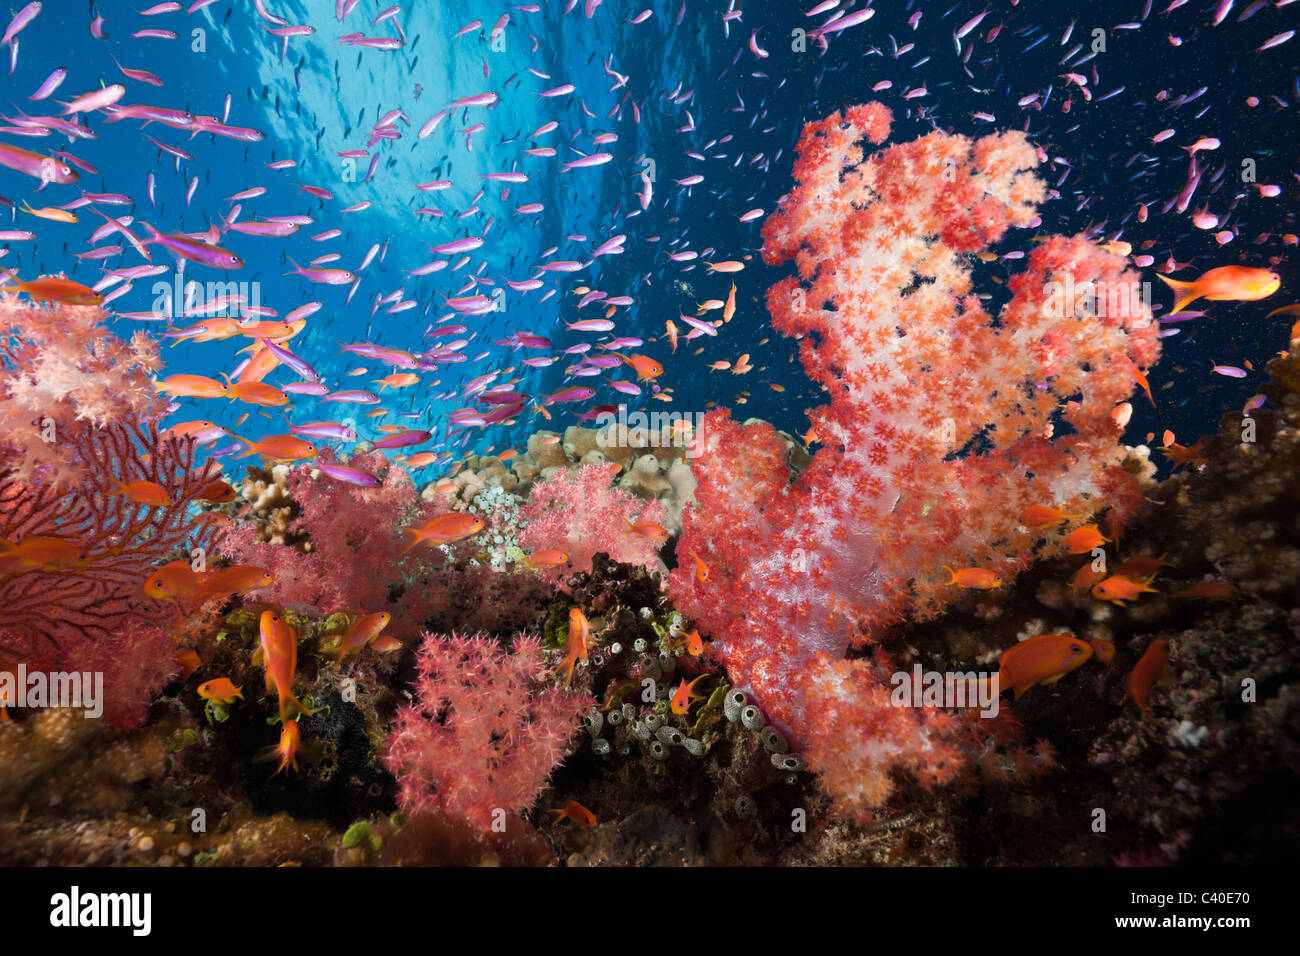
pixel 324 97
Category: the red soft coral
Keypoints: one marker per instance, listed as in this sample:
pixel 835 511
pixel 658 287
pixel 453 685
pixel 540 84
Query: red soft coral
pixel 484 732
pixel 940 430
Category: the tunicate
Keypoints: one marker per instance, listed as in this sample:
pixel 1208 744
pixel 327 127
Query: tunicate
pixel 773 740
pixel 733 704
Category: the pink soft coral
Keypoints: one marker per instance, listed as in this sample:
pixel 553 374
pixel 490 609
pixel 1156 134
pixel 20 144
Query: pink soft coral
pixel 582 512
pixel 356 549
pixel 484 733
pixel 941 429
pixel 59 369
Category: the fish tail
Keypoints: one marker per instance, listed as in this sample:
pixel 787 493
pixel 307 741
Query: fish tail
pixel 1185 293
pixel 950 571
pixel 287 697
pixel 154 234
pixel 418 538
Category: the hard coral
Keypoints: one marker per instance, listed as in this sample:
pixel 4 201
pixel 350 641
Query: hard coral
pixel 483 734
pixel 938 434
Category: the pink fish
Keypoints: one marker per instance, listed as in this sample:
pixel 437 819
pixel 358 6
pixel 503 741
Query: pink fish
pixel 326 276
pixel 584 162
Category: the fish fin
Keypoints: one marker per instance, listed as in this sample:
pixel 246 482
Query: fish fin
pixel 418 538
pixel 1184 293
pixel 154 234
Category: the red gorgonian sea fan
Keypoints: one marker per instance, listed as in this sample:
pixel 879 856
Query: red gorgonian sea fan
pixel 485 730
pixel 944 423
pixel 71 410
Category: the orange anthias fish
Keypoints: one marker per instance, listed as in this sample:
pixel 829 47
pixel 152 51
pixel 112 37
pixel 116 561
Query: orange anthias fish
pixel 237 579
pixel 172 582
pixel 645 367
pixel 1044 659
pixel 1082 540
pixel 692 640
pixel 40 551
pixel 397 380
pixel 701 569
pixel 148 493
pixel 647 529
pixel 546 559
pixel 192 386
pixel 287 749
pixel 216 492
pixel 579 638
pixel 257 393
pixel 1142 566
pixel 362 632
pixel 979 578
pixel 54 289
pixel 730 308
pixel 1208 590
pixel 279 448
pixel 685 693
pixel 1041 516
pixel 1182 454
pixel 220 691
pixel 1226 283
pixel 188 661
pixel 1086 577
pixel 1146 672
pixel 278 654
pixel 444 529
pixel 575 811
pixel 52 213
pixel 1117 589
pixel 1103 649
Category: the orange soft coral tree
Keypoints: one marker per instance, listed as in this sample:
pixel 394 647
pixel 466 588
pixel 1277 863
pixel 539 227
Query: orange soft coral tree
pixel 944 423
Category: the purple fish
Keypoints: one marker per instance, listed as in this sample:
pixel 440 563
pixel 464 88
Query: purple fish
pixel 404 439
pixel 572 394
pixel 352 476
pixel 331 431
pixel 591 325
pixel 355 397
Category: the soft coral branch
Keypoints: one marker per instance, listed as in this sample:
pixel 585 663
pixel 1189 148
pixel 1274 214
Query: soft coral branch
pixel 942 427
